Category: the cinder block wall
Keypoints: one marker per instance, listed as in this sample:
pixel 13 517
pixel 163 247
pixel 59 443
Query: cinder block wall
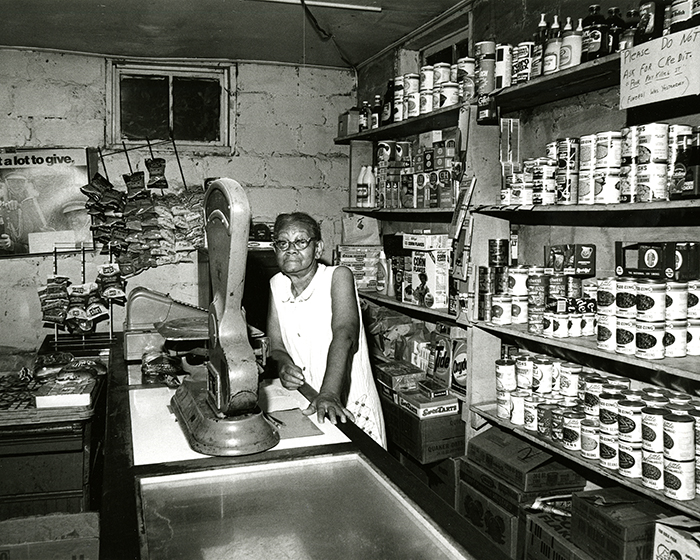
pixel 284 122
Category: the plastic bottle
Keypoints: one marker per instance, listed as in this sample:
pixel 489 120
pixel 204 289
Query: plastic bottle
pixel 387 116
pixel 595 36
pixel 362 191
pixel 390 288
pixel 382 273
pixel 550 62
pixel 628 34
pixel 571 39
pixel 371 182
pixel 540 39
pixel 376 111
pixel 365 116
pixel 616 26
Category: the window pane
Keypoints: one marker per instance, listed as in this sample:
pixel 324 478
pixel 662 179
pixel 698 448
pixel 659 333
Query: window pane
pixel 196 109
pixel 144 108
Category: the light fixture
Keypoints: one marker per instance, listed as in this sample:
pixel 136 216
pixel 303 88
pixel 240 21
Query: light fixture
pixel 319 4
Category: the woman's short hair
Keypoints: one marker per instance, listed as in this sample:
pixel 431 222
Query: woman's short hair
pixel 300 218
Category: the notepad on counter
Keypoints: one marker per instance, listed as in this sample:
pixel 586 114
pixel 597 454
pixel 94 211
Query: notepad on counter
pixel 70 393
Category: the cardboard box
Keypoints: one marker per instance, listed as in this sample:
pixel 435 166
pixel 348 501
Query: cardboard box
pixel 520 463
pixel 507 531
pixel 430 277
pixel 548 537
pixel 458 373
pixel 421 406
pixel 399 375
pixel 441 477
pixel 426 241
pixel 678 260
pixel 615 523
pixel 60 536
pixel 677 538
pixel 349 123
pixel 427 441
pixel 575 259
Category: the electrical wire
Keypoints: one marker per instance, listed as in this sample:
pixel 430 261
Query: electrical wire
pixel 324 35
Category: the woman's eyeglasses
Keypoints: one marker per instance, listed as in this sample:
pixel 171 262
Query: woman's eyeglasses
pixel 298 244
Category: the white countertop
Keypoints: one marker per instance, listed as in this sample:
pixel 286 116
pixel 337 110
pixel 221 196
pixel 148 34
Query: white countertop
pixel 158 438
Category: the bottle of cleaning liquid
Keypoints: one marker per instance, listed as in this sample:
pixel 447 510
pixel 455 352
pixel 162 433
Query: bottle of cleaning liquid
pixel 382 273
pixel 362 190
pixel 371 180
pixel 390 288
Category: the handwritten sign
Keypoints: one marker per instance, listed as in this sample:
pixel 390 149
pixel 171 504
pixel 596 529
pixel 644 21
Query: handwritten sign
pixel 665 68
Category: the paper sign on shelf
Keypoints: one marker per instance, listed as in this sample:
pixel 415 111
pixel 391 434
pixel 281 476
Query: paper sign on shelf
pixel 665 68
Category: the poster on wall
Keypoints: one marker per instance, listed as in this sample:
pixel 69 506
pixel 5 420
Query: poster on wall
pixel 41 206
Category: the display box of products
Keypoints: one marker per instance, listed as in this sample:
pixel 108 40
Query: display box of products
pixel 675 260
pixel 615 523
pixel 677 538
pixel 458 369
pixel 500 526
pixel 574 259
pixel 428 440
pixel 426 241
pixel 520 463
pixel 548 537
pixel 399 375
pixel 430 277
pixel 422 406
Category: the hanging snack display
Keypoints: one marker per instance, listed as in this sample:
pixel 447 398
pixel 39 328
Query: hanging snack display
pixel 156 173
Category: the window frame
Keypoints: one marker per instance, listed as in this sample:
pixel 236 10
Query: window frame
pixel 221 72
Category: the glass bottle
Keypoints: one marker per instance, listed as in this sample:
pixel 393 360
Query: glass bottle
pixel 628 34
pixel 376 111
pixel 540 39
pixel 680 167
pixel 550 62
pixel 362 188
pixel 616 26
pixel 651 21
pixel 691 188
pixel 571 40
pixel 595 35
pixel 365 116
pixel 388 105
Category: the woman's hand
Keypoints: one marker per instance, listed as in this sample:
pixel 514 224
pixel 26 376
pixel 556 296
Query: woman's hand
pixel 327 404
pixel 291 376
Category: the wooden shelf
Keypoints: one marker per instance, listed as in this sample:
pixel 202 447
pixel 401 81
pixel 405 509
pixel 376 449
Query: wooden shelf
pixel 439 119
pixel 687 368
pixel 589 76
pixel 401 213
pixel 436 314
pixel 488 411
pixel 643 214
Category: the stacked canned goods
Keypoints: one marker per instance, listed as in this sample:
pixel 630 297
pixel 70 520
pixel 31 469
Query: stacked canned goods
pixel 504 66
pixel 495 303
pixel 521 68
pixel 567 174
pixel 648 433
pixel 651 173
pixel 606 178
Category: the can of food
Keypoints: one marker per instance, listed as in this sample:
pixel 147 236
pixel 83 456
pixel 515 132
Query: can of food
pixel 426 78
pixel 680 408
pixel 449 94
pixel 542 375
pixel 679 479
pixel 504 66
pixel 679 437
pixel 436 97
pixel 628 145
pixel 607 412
pixel 676 339
pixel 575 325
pixel 652 143
pixel 535 319
pixel 568 154
pixel 625 333
pixel 537 289
pixel 633 394
pixel 590 439
pixel 592 391
pixel 524 367
pixel 676 397
pixel 567 187
pixel 653 470
pixel 519 310
pixel 693 346
pixel 501 309
pixel 505 375
pixel 466 73
pixel 589 324
pixel 548 324
pixel 411 104
pixel 517 399
pixel 522 64
pixel 411 83
pixel 587 150
pixel 628 183
pixel 656 401
pixel 517 280
pixel 606 295
pixel 630 458
pixel 560 325
pixel 653 428
pixel 398 99
pixel 651 300
pixel 498 252
pixel 571 433
pixel 504 405
pixel 441 73
pixel 531 404
pixel 651 182
pixel 544 419
pixel 695 414
pixel 626 297
pixel 569 378
pixel 629 420
pixel 606 187
pixel 606 330
pixel 608 148
pixel 676 301
pixel 608 451
pixel 558 423
pixel 650 340
pixel 426 101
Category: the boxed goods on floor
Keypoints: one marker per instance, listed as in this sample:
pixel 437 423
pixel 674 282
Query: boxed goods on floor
pixel 426 440
pixel 520 463
pixel 59 536
pixel 678 538
pixel 441 477
pixel 548 537
pixel 615 523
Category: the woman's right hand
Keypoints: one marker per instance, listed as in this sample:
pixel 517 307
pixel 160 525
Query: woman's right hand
pixel 291 376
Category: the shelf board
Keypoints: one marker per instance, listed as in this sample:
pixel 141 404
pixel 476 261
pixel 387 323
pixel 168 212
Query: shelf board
pixel 687 368
pixel 437 313
pixel 589 76
pixel 441 118
pixel 642 214
pixel 389 213
pixel 488 411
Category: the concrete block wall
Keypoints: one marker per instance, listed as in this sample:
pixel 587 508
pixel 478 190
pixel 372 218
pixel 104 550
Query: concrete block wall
pixel 283 123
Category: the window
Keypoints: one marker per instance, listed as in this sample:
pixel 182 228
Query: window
pixel 151 101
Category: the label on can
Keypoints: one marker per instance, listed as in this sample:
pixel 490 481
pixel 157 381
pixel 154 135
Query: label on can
pixel 606 187
pixel 609 451
pixel 607 412
pixel 676 301
pixel 571 433
pixel 531 404
pixel 505 375
pixel 517 399
pixel 679 437
pixel 629 421
pixel 426 101
pixel 651 300
pixel 426 78
pixel 569 377
pixel 679 479
pixel 503 404
pixel 524 366
pixel 630 458
pixel 653 428
pixel 608 148
pixel 590 439
pixel 652 143
pixel 650 340
pixel 606 332
pixel 568 150
pixel 652 469
pixel 676 339
pixel 587 145
pixel 519 310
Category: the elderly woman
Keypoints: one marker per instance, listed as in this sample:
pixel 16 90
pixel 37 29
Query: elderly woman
pixel 315 329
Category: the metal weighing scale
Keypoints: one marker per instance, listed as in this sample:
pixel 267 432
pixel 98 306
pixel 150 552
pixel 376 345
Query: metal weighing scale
pixel 222 416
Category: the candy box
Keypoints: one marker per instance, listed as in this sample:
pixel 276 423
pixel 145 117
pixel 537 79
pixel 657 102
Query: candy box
pixel 677 538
